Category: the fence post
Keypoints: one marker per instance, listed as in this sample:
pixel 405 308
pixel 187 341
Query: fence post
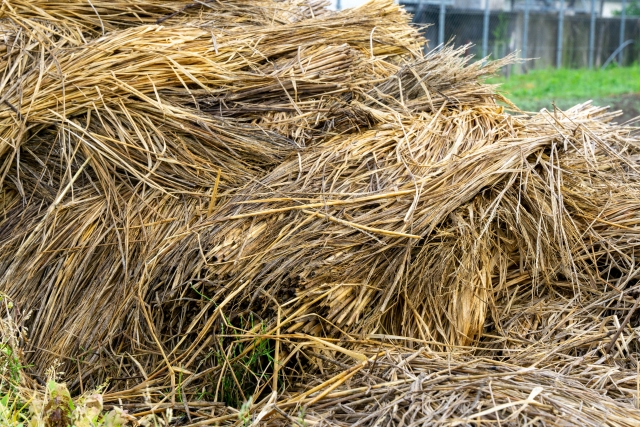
pixel 441 23
pixel 417 15
pixel 623 16
pixel 525 35
pixel 592 33
pixel 560 29
pixel 485 30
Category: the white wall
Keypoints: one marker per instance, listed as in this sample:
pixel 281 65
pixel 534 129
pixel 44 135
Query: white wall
pixel 610 7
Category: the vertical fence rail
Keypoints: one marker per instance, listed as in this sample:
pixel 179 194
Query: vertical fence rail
pixel 623 16
pixel 485 29
pixel 525 33
pixel 560 35
pixel 441 22
pixel 592 33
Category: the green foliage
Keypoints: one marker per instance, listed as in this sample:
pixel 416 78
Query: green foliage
pixel 244 415
pixel 13 412
pixel 581 83
pixel 58 409
pixel 500 32
pixel 301 417
pixel 632 9
pixel 11 366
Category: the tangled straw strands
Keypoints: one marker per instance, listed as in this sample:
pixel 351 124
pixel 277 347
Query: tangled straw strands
pixel 295 201
pixel 117 220
pixel 166 68
pixel 423 388
pixel 100 17
pixel 422 219
pixel 547 359
pixel 92 168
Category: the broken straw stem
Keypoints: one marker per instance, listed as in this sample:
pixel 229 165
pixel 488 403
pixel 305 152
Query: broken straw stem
pixel 622 326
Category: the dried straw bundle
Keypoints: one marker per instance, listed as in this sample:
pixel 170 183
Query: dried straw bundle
pixel 407 228
pixel 425 388
pixel 89 89
pixel 176 196
pixel 90 152
pixel 100 17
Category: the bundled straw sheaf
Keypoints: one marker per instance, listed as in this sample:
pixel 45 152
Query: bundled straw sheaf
pixel 426 388
pixel 216 201
pixel 168 69
pixel 99 17
pixel 418 221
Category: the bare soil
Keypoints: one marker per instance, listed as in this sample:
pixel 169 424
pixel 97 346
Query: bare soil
pixel 628 104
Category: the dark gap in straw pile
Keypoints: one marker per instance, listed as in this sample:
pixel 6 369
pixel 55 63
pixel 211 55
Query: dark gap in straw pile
pixel 266 212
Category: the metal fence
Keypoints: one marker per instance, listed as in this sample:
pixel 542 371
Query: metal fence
pixel 555 33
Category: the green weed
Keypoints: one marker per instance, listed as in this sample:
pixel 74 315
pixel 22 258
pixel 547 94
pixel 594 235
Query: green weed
pixel 244 415
pixel 245 363
pixel 51 407
pixel 632 9
pixel 243 375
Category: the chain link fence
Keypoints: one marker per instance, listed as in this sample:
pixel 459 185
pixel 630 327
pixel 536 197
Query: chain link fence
pixel 554 33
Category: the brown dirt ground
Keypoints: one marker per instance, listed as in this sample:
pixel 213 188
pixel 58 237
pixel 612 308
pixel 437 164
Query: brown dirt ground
pixel 629 104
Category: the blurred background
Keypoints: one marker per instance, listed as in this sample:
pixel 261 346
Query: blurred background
pixel 347 3
pixel 578 49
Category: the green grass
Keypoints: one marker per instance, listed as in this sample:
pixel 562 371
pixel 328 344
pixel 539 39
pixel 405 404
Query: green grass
pixel 240 377
pixel 541 88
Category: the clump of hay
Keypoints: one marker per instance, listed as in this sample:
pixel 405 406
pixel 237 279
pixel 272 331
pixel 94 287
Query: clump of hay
pixel 211 201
